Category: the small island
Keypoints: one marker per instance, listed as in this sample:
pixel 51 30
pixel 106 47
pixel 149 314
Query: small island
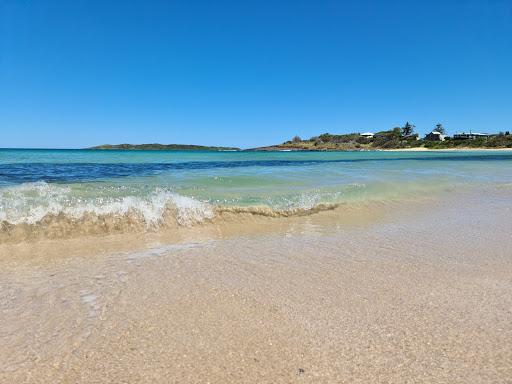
pixel 162 147
pixel 398 138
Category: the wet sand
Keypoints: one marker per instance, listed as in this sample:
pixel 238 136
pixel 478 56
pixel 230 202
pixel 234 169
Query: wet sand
pixel 418 295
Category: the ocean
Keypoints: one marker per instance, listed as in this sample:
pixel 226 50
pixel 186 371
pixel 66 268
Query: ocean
pixel 147 190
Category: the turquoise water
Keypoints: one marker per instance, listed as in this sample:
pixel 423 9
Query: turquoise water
pixel 35 184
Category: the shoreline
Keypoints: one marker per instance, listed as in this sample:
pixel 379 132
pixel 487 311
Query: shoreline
pixel 423 149
pixel 264 149
pixel 416 149
pixel 211 222
pixel 230 224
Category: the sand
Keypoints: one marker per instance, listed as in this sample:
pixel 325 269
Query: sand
pixel 423 149
pixel 417 296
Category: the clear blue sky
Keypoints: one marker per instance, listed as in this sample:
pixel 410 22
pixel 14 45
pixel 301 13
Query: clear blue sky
pixel 247 73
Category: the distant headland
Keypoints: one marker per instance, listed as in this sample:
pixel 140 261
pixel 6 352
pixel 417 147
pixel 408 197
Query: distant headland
pixel 163 147
pixel 398 138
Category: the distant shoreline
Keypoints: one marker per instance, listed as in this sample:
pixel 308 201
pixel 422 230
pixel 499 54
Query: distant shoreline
pixel 160 147
pixel 396 139
pixel 272 149
pixel 415 149
pixel 423 149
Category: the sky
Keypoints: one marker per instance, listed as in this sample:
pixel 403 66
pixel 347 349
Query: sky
pixel 80 73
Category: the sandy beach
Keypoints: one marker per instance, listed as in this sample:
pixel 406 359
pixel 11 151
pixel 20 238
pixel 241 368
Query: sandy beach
pixel 255 192
pixel 423 149
pixel 417 295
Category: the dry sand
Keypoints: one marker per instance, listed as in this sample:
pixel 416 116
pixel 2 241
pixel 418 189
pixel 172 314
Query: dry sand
pixel 420 296
pixel 423 149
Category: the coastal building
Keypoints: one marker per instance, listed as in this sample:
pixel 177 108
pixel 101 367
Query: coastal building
pixel 470 136
pixel 435 136
pixel 368 135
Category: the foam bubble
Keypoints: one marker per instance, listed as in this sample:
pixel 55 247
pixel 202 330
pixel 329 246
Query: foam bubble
pixel 31 202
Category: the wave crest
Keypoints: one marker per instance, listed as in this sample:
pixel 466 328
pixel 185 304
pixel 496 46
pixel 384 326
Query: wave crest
pixel 48 210
pixel 31 203
pixel 42 210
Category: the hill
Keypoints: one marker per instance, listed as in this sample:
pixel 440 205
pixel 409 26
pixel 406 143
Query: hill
pixel 391 139
pixel 163 147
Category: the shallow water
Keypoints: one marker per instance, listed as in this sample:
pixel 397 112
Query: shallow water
pixel 119 190
pixel 421 296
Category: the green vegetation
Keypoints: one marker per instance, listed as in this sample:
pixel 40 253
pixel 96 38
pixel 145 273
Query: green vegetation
pixel 399 137
pixel 395 138
pixel 160 147
pixel 439 128
pixel 407 129
pixel 326 141
pixel 498 141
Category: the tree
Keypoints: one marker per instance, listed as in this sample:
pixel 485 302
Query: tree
pixel 296 139
pixel 407 129
pixel 439 128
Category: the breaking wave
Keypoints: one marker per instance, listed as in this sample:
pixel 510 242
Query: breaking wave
pixel 33 202
pixel 43 210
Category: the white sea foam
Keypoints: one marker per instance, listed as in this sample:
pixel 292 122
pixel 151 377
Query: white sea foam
pixel 31 202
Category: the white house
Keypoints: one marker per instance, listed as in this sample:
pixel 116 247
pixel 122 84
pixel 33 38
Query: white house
pixel 368 135
pixel 470 136
pixel 435 136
